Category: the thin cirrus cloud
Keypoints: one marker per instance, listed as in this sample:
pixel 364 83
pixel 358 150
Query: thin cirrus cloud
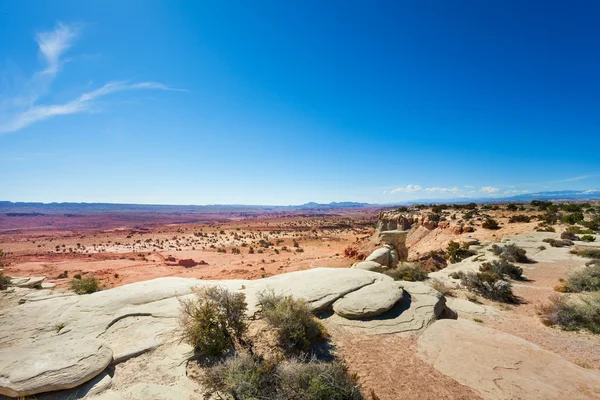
pixel 455 190
pixel 21 110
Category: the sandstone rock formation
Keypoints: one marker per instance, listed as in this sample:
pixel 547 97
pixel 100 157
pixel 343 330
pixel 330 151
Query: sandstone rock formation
pixel 503 366
pixel 368 301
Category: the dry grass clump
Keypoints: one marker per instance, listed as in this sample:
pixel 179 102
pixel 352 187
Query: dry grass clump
pixel 574 313
pixel 455 252
pixel 85 285
pixel 297 328
pixel 441 287
pixel 247 377
pixel 406 272
pixel 490 223
pixel 567 235
pixel 213 321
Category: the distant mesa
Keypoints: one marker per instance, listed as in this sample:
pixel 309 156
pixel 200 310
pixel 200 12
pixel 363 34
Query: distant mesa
pixel 23 214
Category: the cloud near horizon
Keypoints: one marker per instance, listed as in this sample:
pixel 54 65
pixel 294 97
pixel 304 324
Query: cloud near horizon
pixel 19 111
pixel 454 190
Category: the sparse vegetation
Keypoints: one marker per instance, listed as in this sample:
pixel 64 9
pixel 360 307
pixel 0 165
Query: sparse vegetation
pixel 573 313
pixel 455 252
pixel 441 287
pixel 490 223
pixel 488 285
pixel 85 285
pixel 247 377
pixel 4 281
pixel 297 328
pixel 510 252
pixel 406 272
pixel 569 236
pixel 519 218
pixel 558 242
pixel 587 252
pixel 213 320
pixel 587 238
pixel 585 280
pixel 501 269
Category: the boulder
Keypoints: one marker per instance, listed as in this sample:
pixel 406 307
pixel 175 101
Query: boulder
pixel 368 301
pixel 368 266
pixel 27 282
pixel 381 256
pixel 420 306
pixel 502 366
pixel 51 365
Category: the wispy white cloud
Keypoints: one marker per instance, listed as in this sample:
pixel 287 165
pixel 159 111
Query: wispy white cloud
pixel 54 44
pixel 407 189
pixel 489 189
pixel 443 190
pixel 19 111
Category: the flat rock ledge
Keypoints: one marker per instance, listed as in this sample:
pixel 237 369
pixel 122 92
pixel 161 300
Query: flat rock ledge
pixel 502 366
pixel 52 365
pixel 368 301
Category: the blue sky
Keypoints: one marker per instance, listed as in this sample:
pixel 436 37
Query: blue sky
pixel 270 102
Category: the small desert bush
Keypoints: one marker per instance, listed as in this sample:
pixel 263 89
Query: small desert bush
pixel 510 252
pixel 241 377
pixel 490 223
pixel 455 252
pixel 588 238
pixel 572 218
pixel 4 281
pixel 574 313
pixel 441 287
pixel 488 285
pixel 85 285
pixel 579 230
pixel 544 228
pixel 314 380
pixel 569 236
pixel 519 218
pixel 407 273
pixel 587 253
pixel 502 269
pixel 213 320
pixel 559 242
pixel 585 280
pixel 247 377
pixel 297 328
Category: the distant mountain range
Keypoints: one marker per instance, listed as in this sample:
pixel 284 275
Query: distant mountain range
pixel 21 208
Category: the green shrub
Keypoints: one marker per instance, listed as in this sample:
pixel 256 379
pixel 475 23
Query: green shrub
pixel 407 273
pixel 213 320
pixel 4 281
pixel 297 328
pixel 490 223
pixel 585 280
pixel 455 252
pixel 541 205
pixel 502 268
pixel 588 238
pixel 512 207
pixel 85 285
pixel 582 312
pixel 586 252
pixel 572 218
pixel 578 230
pixel 488 285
